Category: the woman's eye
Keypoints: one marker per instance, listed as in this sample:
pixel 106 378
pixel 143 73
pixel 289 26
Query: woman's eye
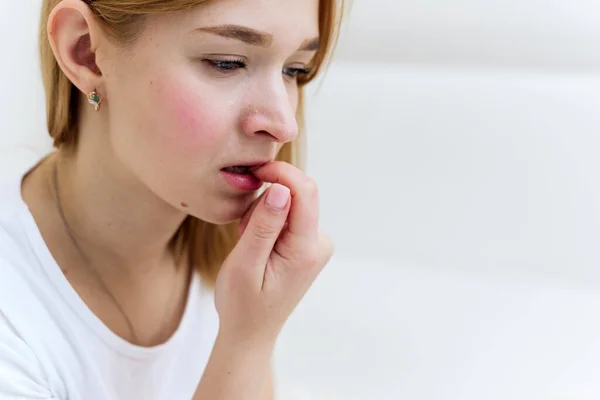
pixel 296 72
pixel 226 66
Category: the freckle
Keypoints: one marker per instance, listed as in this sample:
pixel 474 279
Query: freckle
pixel 184 205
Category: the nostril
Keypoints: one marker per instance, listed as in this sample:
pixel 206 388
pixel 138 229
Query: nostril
pixel 265 133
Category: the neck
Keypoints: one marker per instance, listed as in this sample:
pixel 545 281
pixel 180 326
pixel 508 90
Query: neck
pixel 114 218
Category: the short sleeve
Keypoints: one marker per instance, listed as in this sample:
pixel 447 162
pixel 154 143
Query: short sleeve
pixel 21 376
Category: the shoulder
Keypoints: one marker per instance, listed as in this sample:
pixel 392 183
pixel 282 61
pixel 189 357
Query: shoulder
pixel 14 213
pixel 22 307
pixel 20 277
pixel 13 233
pixel 21 374
pixel 14 165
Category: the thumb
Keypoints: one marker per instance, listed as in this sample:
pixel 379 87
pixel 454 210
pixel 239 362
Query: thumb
pixel 264 226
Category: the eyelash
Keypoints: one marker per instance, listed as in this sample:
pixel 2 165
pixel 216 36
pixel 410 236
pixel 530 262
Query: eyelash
pixel 231 65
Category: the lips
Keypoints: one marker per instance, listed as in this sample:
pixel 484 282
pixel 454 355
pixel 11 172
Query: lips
pixel 244 168
pixel 241 179
pixel 238 170
pixel 240 175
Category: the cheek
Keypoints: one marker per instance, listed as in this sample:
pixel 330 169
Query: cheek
pixel 189 118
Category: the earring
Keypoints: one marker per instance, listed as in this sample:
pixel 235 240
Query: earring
pixel 95 100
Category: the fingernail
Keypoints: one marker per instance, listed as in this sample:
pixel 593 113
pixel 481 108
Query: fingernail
pixel 278 197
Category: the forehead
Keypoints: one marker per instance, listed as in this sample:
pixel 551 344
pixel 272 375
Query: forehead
pixel 286 20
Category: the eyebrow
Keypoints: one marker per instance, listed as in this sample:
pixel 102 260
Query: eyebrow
pixel 311 45
pixel 253 37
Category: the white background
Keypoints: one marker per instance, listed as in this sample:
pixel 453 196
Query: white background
pixel 455 144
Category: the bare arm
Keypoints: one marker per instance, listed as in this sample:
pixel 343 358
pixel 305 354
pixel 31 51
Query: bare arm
pixel 237 371
pixel 280 252
pixel 269 388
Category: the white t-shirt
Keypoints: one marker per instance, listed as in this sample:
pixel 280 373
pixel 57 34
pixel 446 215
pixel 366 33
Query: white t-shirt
pixel 52 346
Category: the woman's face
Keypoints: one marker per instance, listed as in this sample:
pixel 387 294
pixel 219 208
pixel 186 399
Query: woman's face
pixel 206 89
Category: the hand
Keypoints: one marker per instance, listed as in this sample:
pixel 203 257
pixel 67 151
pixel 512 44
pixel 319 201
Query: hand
pixel 279 254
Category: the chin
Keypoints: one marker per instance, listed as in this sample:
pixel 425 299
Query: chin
pixel 225 211
pixel 220 220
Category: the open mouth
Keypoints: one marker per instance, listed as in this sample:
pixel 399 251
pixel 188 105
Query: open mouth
pixel 241 170
pixel 242 177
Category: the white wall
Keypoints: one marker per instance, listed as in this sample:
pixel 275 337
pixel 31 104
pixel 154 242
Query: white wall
pixel 546 34
pixel 455 143
pixel 21 95
pixel 490 172
pixel 465 205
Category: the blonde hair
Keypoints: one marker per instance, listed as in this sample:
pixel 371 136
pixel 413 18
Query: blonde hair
pixel 205 245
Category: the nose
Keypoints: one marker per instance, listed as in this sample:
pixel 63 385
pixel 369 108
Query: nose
pixel 271 111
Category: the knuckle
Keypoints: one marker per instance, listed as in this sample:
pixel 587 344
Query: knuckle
pixel 326 249
pixel 325 241
pixel 286 250
pixel 311 188
pixel 307 256
pixel 329 247
pixel 263 229
pixel 310 258
pixel 299 256
pixel 327 258
pixel 318 255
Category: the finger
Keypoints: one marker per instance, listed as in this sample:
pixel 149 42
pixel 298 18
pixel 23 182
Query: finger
pixel 326 249
pixel 246 217
pixel 263 228
pixel 322 256
pixel 304 214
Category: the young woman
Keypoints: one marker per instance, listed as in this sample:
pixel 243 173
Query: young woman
pixel 138 261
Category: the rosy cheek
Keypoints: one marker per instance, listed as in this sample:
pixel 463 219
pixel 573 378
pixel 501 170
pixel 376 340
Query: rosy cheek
pixel 190 118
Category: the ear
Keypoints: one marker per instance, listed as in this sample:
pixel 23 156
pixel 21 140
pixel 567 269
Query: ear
pixel 74 33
